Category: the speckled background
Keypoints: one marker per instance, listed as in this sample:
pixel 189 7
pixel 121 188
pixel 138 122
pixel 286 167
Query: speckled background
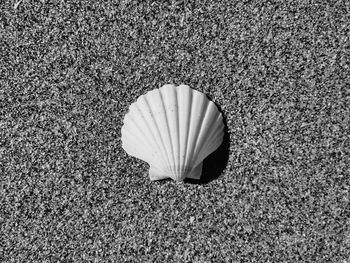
pixel 276 191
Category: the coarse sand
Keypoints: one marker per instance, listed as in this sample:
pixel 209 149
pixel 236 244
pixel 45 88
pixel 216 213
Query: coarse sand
pixel 277 190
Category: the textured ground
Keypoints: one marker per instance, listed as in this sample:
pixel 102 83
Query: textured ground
pixel 276 191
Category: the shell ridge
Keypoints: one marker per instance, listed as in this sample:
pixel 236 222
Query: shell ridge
pixel 172 155
pixel 206 134
pixel 183 93
pixel 211 146
pixel 201 138
pixel 131 149
pixel 135 132
pixel 220 127
pixel 158 131
pixel 135 124
pixel 172 128
pixel 177 112
pixel 216 143
pixel 129 140
pixel 158 149
pixel 188 128
pixel 201 113
pixel 177 144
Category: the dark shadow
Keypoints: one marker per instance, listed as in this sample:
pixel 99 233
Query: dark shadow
pixel 216 162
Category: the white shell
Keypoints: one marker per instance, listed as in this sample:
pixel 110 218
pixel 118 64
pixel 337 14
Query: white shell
pixel 174 129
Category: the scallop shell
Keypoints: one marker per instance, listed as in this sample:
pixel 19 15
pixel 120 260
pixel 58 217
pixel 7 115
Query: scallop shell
pixel 174 129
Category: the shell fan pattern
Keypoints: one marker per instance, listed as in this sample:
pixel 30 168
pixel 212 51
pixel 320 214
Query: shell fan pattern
pixel 174 129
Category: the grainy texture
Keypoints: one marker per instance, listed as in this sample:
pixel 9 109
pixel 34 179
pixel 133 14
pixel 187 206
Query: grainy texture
pixel 279 71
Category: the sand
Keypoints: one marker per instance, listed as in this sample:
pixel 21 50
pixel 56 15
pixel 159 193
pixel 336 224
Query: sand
pixel 277 190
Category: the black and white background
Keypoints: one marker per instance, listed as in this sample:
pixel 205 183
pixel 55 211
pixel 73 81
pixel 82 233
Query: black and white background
pixel 276 191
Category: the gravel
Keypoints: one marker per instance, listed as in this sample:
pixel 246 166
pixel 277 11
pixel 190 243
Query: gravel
pixel 278 188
